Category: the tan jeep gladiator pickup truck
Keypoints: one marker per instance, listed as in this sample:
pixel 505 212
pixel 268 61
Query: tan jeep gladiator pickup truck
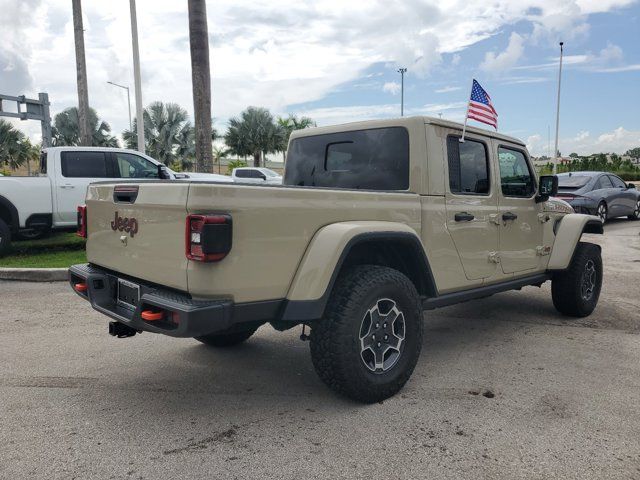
pixel 375 222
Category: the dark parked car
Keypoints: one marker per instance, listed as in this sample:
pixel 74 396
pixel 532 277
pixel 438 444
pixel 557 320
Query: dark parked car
pixel 599 193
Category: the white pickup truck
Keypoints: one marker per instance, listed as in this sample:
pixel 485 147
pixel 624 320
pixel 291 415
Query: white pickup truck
pixel 32 206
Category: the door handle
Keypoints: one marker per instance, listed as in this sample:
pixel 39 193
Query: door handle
pixel 509 216
pixel 463 217
pixel 67 186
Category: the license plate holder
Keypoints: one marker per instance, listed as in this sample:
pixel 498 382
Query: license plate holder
pixel 128 295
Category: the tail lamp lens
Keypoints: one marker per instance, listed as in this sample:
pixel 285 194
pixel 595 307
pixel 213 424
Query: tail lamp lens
pixel 82 221
pixel 208 237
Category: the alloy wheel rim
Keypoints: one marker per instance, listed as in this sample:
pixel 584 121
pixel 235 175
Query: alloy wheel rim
pixel 602 212
pixel 637 211
pixel 589 276
pixel 382 335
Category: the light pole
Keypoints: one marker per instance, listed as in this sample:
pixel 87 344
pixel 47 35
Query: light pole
pixel 128 102
pixel 555 153
pixel 136 75
pixel 402 71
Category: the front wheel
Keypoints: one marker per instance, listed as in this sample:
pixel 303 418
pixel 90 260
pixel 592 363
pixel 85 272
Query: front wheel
pixel 369 340
pixel 636 213
pixel 575 291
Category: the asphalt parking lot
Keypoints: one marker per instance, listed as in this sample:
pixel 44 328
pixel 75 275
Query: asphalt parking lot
pixel 505 388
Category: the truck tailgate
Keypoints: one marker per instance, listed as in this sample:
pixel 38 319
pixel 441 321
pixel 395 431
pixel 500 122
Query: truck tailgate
pixel 143 238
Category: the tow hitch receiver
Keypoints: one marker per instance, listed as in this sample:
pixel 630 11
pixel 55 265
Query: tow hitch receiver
pixel 120 330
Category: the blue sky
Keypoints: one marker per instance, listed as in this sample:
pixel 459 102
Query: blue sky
pixel 336 61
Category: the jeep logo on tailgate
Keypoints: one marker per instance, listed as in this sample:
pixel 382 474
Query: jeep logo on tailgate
pixel 129 225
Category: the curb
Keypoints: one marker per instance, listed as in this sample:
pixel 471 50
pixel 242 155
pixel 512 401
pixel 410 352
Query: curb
pixel 34 274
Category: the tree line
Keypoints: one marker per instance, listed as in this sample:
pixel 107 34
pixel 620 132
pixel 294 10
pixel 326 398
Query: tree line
pixel 601 162
pixel 169 135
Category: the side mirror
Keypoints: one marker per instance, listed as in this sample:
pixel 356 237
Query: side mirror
pixel 631 185
pixel 548 187
pixel 163 173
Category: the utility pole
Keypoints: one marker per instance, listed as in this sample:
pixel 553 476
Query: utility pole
pixel 81 73
pixel 136 75
pixel 128 102
pixel 402 71
pixel 555 153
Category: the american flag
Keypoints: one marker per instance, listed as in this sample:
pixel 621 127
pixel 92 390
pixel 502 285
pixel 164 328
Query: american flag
pixel 480 106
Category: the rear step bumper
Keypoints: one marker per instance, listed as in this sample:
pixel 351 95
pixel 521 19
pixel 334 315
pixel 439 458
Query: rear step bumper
pixel 182 316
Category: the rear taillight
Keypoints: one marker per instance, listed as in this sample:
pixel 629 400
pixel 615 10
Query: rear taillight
pixel 82 221
pixel 208 237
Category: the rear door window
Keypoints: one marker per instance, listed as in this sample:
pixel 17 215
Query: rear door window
pixel 468 166
pixel 603 182
pixel 617 183
pixel 372 159
pixel 243 173
pixel 85 165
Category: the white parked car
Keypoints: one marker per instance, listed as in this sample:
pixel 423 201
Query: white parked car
pixel 256 175
pixel 32 206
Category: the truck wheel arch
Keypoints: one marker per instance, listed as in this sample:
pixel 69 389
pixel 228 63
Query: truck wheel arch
pixel 338 246
pixel 9 213
pixel 569 231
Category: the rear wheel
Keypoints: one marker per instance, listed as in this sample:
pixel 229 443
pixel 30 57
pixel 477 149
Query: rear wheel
pixel 576 291
pixel 636 213
pixel 369 340
pixel 602 212
pixel 5 238
pixel 33 234
pixel 226 339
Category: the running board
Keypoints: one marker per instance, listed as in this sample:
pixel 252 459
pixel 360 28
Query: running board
pixel 485 291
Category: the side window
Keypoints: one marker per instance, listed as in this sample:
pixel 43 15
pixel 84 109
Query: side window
pixel 603 182
pixel 243 173
pixel 516 177
pixel 133 166
pixel 468 166
pixel 372 159
pixel 43 163
pixel 84 165
pixel 617 183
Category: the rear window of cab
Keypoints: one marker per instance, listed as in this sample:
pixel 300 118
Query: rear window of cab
pixel 372 159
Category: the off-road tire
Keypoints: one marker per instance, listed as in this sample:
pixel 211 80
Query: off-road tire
pixel 336 347
pixel 636 213
pixel 5 238
pixel 568 287
pixel 33 234
pixel 222 340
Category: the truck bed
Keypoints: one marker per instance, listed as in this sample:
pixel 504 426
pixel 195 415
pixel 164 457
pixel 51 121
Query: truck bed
pixel 272 227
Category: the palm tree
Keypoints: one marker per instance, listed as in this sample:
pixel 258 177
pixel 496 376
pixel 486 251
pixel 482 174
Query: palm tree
pixel 83 112
pixel 168 134
pixel 254 133
pixel 201 83
pixel 288 125
pixel 218 154
pixel 66 129
pixel 16 148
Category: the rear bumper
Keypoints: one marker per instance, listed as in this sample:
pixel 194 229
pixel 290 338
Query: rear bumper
pixel 183 316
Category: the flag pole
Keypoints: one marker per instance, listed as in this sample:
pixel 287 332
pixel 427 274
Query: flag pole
pixel 466 116
pixel 555 153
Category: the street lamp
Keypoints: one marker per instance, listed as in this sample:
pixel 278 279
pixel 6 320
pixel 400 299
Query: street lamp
pixel 128 101
pixel 402 71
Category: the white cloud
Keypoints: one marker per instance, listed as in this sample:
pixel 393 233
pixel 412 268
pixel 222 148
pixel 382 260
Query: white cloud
pixel 273 54
pixel 496 64
pixel 617 141
pixel 391 87
pixel 447 89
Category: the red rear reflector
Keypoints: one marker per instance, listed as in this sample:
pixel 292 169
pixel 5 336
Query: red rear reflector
pixel 82 221
pixel 80 287
pixel 151 316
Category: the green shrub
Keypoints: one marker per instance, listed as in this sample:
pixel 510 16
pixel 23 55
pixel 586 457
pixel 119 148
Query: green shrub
pixel 237 163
